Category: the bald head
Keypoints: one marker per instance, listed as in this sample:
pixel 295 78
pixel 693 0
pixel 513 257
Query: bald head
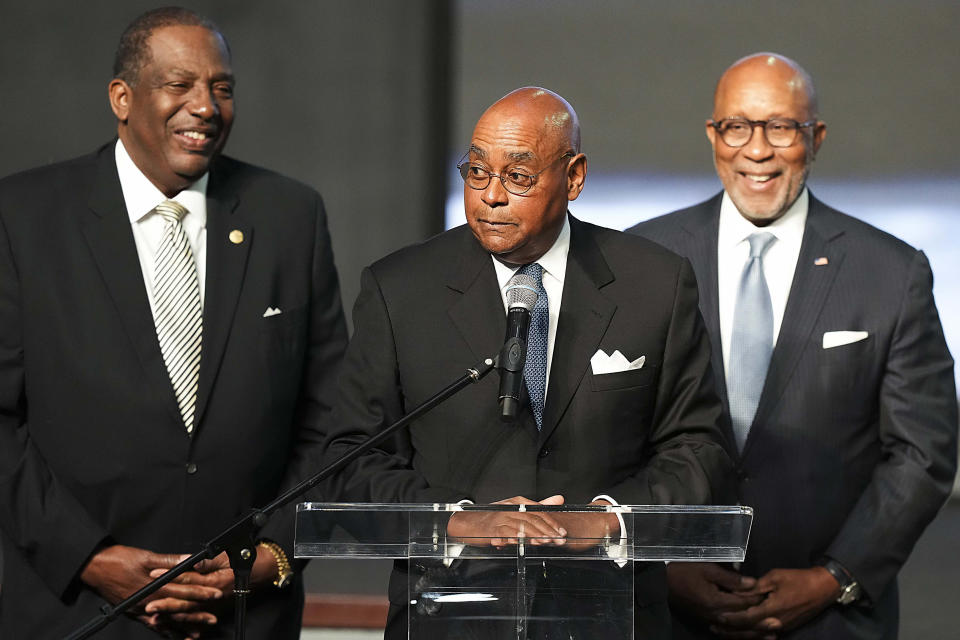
pixel 546 112
pixel 761 94
pixel 769 69
pixel 522 168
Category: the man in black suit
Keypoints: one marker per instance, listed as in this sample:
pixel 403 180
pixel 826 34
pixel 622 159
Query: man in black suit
pixel 842 402
pixel 639 434
pixel 160 373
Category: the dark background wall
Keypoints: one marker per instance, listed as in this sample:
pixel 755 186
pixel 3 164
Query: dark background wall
pixel 641 74
pixel 349 97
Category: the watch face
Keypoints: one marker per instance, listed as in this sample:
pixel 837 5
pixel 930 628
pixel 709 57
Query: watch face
pixel 849 594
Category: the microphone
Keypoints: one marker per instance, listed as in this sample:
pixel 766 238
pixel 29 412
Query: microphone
pixel 521 297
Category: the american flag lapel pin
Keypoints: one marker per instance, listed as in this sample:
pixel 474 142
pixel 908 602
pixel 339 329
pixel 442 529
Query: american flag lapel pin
pixel 821 261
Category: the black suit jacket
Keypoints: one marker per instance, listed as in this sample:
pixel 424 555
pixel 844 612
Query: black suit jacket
pixel 853 448
pixel 428 312
pixel 92 447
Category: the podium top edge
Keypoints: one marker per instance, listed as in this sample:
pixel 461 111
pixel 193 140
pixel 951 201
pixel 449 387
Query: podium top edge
pixel 453 507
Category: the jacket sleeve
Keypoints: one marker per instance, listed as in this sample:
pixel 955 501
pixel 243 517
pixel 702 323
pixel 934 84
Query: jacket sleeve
pixel 40 518
pixel 370 399
pixel 688 463
pixel 918 437
pixel 326 342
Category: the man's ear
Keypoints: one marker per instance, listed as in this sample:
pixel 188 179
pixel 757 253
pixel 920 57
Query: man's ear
pixel 819 133
pixel 576 175
pixel 120 94
pixel 711 133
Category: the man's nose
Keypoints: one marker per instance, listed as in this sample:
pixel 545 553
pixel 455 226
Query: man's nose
pixel 203 104
pixel 757 147
pixel 495 194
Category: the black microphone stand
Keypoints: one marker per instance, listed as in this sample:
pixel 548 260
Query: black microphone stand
pixel 238 540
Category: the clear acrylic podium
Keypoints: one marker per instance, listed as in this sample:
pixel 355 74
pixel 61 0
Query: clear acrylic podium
pixel 533 588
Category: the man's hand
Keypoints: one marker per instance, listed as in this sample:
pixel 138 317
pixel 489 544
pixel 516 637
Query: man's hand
pixel 500 528
pixel 215 574
pixel 793 597
pixel 118 571
pixel 706 590
pixel 585 529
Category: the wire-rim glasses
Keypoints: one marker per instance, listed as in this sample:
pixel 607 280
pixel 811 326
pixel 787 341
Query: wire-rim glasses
pixel 516 182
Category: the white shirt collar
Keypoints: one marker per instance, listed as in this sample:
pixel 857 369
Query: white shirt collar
pixel 734 228
pixel 554 261
pixel 141 195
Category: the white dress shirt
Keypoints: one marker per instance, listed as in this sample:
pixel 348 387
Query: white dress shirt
pixel 554 263
pixel 141 196
pixel 779 262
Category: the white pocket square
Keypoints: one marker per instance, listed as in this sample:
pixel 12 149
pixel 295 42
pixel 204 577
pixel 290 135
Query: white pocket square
pixel 601 363
pixel 839 338
pixel 272 311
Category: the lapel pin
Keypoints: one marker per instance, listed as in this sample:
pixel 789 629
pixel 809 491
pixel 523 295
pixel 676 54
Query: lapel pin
pixel 236 236
pixel 819 262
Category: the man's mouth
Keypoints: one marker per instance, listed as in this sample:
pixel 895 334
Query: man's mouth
pixel 760 177
pixel 196 139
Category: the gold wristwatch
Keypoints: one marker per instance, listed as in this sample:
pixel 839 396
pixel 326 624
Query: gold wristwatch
pixel 284 570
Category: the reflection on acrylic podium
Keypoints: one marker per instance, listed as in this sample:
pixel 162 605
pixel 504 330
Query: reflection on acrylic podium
pixel 534 588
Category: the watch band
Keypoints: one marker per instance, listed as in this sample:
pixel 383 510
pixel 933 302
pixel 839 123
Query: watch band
pixel 849 587
pixel 284 570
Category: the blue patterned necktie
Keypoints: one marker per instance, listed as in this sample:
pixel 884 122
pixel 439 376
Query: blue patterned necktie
pixel 535 369
pixel 751 343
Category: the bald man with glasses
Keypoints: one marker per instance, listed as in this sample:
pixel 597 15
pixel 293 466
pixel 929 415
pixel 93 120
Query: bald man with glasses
pixel 837 385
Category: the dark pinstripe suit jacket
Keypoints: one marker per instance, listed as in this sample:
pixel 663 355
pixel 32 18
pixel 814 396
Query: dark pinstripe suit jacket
pixel 92 447
pixel 853 449
pixel 647 436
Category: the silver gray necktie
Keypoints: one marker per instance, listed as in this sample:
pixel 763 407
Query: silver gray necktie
pixel 177 314
pixel 751 343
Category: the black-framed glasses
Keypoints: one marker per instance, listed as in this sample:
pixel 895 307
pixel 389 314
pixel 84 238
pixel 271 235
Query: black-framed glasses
pixel 516 182
pixel 779 132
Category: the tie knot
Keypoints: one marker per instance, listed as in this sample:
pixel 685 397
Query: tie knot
pixel 759 243
pixel 171 211
pixel 534 270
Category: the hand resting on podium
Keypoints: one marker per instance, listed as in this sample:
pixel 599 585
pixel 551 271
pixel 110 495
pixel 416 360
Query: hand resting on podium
pixel 575 531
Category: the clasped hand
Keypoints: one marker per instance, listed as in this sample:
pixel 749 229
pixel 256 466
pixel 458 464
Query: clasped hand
pixel 738 606
pixel 183 607
pixel 576 531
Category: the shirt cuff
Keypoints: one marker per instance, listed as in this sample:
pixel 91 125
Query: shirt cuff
pixel 617 552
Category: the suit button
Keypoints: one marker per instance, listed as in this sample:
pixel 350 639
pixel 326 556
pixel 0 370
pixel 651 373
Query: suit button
pixel 191 468
pixel 742 475
pixel 544 453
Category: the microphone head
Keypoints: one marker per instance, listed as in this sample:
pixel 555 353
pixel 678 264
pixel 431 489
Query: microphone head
pixel 521 292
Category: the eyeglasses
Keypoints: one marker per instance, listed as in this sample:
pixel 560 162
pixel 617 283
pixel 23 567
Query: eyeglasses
pixel 779 132
pixel 516 182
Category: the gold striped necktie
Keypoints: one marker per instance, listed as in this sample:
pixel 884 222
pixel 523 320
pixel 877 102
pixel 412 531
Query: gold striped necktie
pixel 177 313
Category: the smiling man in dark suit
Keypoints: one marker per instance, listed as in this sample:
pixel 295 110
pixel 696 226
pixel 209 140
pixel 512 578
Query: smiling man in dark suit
pixel 171 323
pixel 837 384
pixel 637 434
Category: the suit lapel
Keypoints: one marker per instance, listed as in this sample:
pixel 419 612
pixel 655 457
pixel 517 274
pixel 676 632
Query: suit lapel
pixel 808 291
pixel 107 232
pixel 585 314
pixel 226 265
pixel 703 229
pixel 478 314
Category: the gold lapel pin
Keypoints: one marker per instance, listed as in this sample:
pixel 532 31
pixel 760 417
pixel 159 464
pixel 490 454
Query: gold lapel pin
pixel 236 236
pixel 819 262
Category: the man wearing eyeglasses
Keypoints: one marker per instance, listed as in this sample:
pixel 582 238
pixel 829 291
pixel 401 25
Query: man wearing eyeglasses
pixel 837 384
pixel 587 431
